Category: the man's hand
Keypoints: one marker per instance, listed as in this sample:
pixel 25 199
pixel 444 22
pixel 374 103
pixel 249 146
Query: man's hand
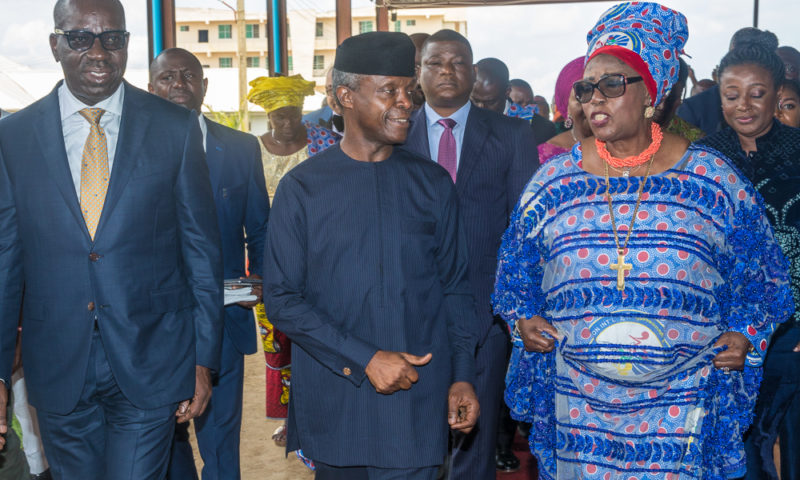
pixel 733 358
pixel 257 290
pixel 796 347
pixel 392 371
pixel 189 409
pixel 462 407
pixel 530 330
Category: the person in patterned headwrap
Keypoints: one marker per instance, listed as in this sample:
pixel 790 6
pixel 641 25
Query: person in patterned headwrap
pixel 641 280
pixel 288 142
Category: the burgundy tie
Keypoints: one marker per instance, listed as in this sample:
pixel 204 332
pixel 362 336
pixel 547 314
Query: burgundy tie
pixel 447 147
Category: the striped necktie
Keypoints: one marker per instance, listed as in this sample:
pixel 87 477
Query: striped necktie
pixel 94 170
pixel 447 147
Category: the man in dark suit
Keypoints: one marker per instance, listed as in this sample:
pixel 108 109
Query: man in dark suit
pixel 366 271
pixel 107 218
pixel 495 156
pixel 237 179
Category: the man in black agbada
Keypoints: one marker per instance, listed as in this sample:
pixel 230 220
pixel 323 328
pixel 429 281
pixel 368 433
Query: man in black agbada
pixel 366 271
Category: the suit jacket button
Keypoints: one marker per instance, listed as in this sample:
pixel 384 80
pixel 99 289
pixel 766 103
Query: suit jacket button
pixel 90 307
pixel 347 371
pixel 94 257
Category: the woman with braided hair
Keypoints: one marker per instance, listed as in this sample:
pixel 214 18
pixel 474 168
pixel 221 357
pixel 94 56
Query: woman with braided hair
pixel 768 154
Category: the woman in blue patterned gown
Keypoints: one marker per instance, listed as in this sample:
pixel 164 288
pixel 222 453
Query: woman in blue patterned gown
pixel 768 154
pixel 641 280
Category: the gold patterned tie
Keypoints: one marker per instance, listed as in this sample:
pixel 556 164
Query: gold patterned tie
pixel 94 170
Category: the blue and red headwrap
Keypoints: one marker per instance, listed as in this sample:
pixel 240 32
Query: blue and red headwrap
pixel 647 36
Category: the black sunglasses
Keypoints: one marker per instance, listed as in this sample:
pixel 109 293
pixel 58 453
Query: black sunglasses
pixel 611 86
pixel 81 40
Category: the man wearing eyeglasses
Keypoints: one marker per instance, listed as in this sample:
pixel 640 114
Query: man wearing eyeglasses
pixel 108 220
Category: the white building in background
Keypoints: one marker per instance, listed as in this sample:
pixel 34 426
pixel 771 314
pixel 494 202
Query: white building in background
pixel 211 35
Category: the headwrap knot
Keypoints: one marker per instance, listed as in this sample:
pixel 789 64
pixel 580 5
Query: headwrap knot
pixel 272 93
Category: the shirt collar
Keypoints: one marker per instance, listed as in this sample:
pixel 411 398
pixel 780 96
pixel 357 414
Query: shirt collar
pixel 460 115
pixel 203 128
pixel 70 105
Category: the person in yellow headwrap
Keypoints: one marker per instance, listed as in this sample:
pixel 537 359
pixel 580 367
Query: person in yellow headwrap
pixel 288 142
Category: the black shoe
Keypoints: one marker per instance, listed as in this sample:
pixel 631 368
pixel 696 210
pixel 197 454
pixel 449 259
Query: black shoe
pixel 505 460
pixel 42 476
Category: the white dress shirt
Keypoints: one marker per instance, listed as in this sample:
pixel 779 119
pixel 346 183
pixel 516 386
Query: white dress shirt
pixel 203 129
pixel 76 128
pixel 435 129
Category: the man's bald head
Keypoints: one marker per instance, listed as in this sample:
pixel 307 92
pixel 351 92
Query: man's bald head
pixel 491 87
pixel 177 75
pixel 64 8
pixel 175 53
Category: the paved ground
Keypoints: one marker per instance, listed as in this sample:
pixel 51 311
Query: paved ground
pixel 261 458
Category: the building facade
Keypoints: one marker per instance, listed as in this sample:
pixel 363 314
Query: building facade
pixel 211 35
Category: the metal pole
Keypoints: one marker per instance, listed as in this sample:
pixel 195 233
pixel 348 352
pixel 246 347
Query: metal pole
pixel 755 13
pixel 344 21
pixel 241 53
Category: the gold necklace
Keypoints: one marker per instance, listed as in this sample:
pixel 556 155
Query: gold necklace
pixel 625 172
pixel 621 267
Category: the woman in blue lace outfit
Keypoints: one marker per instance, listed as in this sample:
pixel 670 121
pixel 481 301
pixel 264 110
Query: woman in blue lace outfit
pixel 638 356
pixel 768 154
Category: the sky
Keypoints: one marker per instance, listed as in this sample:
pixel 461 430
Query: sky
pixel 535 41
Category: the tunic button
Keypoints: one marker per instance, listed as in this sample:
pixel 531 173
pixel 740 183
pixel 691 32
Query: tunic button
pixel 90 307
pixel 346 371
pixel 94 257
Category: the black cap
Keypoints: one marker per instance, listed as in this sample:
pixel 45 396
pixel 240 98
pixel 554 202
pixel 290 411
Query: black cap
pixel 389 54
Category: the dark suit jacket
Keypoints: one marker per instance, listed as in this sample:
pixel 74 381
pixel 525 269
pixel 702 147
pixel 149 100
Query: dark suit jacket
pixel 543 129
pixel 153 273
pixel 237 179
pixel 498 157
pixel 704 111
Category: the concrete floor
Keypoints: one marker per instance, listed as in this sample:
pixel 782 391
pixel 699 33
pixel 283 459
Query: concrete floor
pixel 261 459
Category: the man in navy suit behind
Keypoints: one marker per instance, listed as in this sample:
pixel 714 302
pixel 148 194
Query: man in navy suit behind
pixel 237 179
pixel 495 156
pixel 107 219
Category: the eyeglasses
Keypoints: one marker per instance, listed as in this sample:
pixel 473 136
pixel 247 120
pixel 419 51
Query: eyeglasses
pixel 81 40
pixel 611 86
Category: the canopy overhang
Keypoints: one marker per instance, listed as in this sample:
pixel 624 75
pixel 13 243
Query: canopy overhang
pixel 468 3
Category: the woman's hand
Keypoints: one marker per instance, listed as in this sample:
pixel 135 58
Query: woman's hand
pixel 733 358
pixel 530 331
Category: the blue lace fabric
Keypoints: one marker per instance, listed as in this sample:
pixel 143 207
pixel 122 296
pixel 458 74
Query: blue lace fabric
pixel 630 388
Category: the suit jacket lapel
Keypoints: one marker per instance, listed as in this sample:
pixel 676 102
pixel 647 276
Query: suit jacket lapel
pixel 418 134
pixel 50 136
pixel 215 156
pixel 132 129
pixel 475 134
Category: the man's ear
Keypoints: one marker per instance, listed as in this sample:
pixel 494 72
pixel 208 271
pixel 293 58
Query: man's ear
pixel 345 96
pixel 150 88
pixel 53 45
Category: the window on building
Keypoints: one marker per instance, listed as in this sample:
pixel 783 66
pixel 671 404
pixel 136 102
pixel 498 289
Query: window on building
pixel 225 62
pixel 320 29
pixel 397 24
pixel 365 26
pixel 411 23
pixel 290 63
pixel 319 62
pixel 224 31
pixel 184 28
pixel 253 62
pixel 251 30
pixel 202 36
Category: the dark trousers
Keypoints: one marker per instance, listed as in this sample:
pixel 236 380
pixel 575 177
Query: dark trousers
pixel 13 464
pixel 473 455
pixel 777 415
pixel 217 429
pixel 329 472
pixel 106 437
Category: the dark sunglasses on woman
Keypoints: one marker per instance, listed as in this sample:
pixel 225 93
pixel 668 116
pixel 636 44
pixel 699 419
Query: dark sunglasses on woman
pixel 611 86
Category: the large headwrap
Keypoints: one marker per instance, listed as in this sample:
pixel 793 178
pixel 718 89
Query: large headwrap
pixel 571 73
pixel 272 93
pixel 648 37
